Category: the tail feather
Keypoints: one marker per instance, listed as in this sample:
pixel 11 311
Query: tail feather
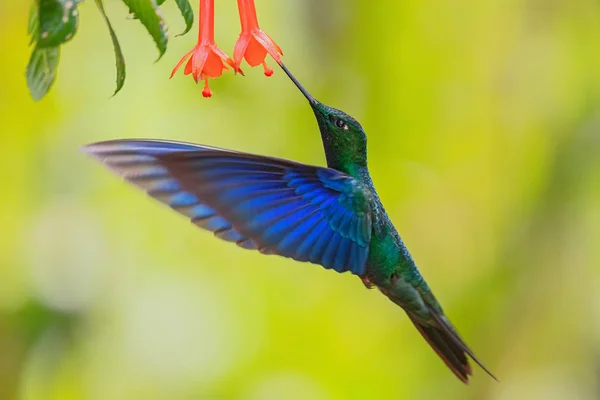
pixel 442 337
pixel 448 351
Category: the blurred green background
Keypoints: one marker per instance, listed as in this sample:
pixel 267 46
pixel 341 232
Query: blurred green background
pixel 483 119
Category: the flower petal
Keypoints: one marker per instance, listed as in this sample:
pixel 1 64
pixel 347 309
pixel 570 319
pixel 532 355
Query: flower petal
pixel 188 67
pixel 198 60
pixel 213 66
pixel 181 61
pixel 269 45
pixel 255 53
pixel 240 49
pixel 224 57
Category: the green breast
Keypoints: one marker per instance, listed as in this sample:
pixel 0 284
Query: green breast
pixel 384 257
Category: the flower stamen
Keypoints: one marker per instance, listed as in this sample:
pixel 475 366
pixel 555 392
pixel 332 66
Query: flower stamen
pixel 268 70
pixel 206 92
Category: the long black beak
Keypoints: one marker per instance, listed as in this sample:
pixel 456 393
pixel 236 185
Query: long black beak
pixel 308 96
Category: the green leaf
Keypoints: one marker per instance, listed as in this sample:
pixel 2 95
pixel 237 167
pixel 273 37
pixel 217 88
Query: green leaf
pixel 186 12
pixel 58 20
pixel 188 15
pixel 120 61
pixel 41 70
pixel 33 26
pixel 149 14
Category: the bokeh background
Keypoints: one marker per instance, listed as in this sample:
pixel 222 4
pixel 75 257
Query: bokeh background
pixel 483 119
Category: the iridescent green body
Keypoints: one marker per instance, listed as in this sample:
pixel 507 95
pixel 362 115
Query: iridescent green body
pixel 390 266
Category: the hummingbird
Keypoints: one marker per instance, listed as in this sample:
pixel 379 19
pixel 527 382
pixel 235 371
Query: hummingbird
pixel 328 216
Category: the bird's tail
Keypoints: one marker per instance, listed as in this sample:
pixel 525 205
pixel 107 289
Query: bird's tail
pixel 444 339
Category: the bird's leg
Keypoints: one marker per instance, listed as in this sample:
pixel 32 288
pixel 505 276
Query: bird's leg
pixel 365 280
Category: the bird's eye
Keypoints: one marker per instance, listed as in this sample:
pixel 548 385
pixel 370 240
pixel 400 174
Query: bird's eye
pixel 340 123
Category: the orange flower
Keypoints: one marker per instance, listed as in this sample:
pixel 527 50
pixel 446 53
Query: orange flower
pixel 253 44
pixel 207 60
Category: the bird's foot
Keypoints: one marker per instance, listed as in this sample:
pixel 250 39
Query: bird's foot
pixel 365 280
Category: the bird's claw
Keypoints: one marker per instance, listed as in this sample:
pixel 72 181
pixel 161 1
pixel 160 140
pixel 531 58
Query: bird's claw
pixel 365 280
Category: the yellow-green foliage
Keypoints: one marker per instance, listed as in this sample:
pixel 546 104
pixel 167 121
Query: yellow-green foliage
pixel 483 124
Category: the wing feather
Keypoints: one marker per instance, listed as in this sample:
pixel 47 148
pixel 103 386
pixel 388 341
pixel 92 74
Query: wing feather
pixel 277 206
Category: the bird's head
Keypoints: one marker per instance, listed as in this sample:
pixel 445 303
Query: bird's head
pixel 343 137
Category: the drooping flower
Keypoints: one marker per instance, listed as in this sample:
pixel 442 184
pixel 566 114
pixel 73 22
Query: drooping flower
pixel 254 44
pixel 207 60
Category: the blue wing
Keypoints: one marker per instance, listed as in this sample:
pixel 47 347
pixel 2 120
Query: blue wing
pixel 277 206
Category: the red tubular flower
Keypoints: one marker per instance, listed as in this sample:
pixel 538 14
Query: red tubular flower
pixel 207 60
pixel 253 44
